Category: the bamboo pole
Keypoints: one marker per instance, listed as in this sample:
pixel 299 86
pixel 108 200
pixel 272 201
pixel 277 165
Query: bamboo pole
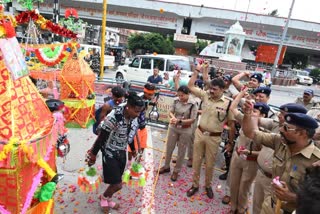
pixel 103 37
pixel 278 207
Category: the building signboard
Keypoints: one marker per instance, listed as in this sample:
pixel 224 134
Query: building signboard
pixel 185 38
pixel 115 15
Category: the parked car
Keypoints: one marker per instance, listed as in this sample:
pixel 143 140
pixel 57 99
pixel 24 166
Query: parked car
pixel 142 66
pixel 302 77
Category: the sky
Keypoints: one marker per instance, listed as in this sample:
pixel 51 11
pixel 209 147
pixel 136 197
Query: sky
pixel 303 9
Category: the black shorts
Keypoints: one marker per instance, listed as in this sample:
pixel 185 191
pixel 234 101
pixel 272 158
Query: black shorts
pixel 113 168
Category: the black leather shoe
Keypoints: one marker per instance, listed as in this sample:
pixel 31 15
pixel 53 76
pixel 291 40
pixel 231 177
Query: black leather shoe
pixel 226 199
pixel 223 176
pixel 192 191
pixel 209 192
pixel 164 170
pixel 174 176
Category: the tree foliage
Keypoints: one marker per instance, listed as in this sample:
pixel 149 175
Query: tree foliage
pixel 298 61
pixel 150 42
pixel 315 74
pixel 199 46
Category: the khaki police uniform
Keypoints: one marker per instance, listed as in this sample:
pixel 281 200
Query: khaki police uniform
pixel 289 167
pixel 272 114
pixel 243 171
pixel 180 135
pixel 208 134
pixel 194 127
pixel 310 105
pixel 262 186
pixel 228 93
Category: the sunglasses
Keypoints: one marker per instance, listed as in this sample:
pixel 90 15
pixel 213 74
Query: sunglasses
pixel 287 129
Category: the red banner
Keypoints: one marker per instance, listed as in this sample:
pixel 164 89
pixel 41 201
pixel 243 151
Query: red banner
pixel 267 54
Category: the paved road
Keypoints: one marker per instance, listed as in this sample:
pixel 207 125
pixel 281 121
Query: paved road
pixel 160 195
pixel 280 95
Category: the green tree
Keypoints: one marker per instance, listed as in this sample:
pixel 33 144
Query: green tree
pixel 299 61
pixel 199 46
pixel 136 41
pixel 315 74
pixel 151 42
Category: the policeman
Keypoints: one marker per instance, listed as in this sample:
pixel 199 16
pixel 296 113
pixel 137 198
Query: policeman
pixel 294 151
pixel 215 113
pixel 262 186
pixel 307 99
pixel 228 149
pixel 183 113
pixel 228 81
pixel 315 113
pixel 262 94
pixel 255 80
pixel 243 163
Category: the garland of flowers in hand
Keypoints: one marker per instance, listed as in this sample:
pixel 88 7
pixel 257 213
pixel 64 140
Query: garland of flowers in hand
pixel 26 16
pixel 50 57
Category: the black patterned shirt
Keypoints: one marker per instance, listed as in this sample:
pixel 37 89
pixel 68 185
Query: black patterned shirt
pixel 121 131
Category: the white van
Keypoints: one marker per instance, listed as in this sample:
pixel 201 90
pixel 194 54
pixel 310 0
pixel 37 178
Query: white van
pixel 142 66
pixel 108 60
pixel 302 77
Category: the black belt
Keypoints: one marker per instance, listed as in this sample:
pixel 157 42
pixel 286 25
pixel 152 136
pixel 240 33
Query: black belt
pixel 267 174
pixel 273 204
pixel 211 134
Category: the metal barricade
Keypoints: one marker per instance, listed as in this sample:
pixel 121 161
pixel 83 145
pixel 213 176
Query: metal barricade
pixel 103 89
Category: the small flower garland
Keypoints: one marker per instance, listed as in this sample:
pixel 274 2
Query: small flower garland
pixel 89 180
pixel 8 148
pixel 50 58
pixel 26 16
pixel 135 176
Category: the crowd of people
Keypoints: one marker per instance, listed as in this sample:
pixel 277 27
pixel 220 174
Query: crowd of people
pixel 275 150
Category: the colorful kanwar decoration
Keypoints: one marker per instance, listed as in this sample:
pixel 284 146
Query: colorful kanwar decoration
pixel 72 21
pixel 28 133
pixel 27 16
pixel 89 180
pixel 135 176
pixel 77 84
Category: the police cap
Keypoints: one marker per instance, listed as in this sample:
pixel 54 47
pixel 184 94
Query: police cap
pixel 293 108
pixel 264 90
pixel 262 107
pixel 257 76
pixel 301 120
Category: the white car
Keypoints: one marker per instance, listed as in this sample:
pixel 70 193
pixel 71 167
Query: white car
pixel 302 77
pixel 142 66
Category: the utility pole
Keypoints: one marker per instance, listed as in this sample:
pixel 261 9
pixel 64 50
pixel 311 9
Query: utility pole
pixel 103 37
pixel 247 10
pixel 56 11
pixel 284 34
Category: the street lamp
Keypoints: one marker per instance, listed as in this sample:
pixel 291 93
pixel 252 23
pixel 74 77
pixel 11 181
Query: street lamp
pixel 284 34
